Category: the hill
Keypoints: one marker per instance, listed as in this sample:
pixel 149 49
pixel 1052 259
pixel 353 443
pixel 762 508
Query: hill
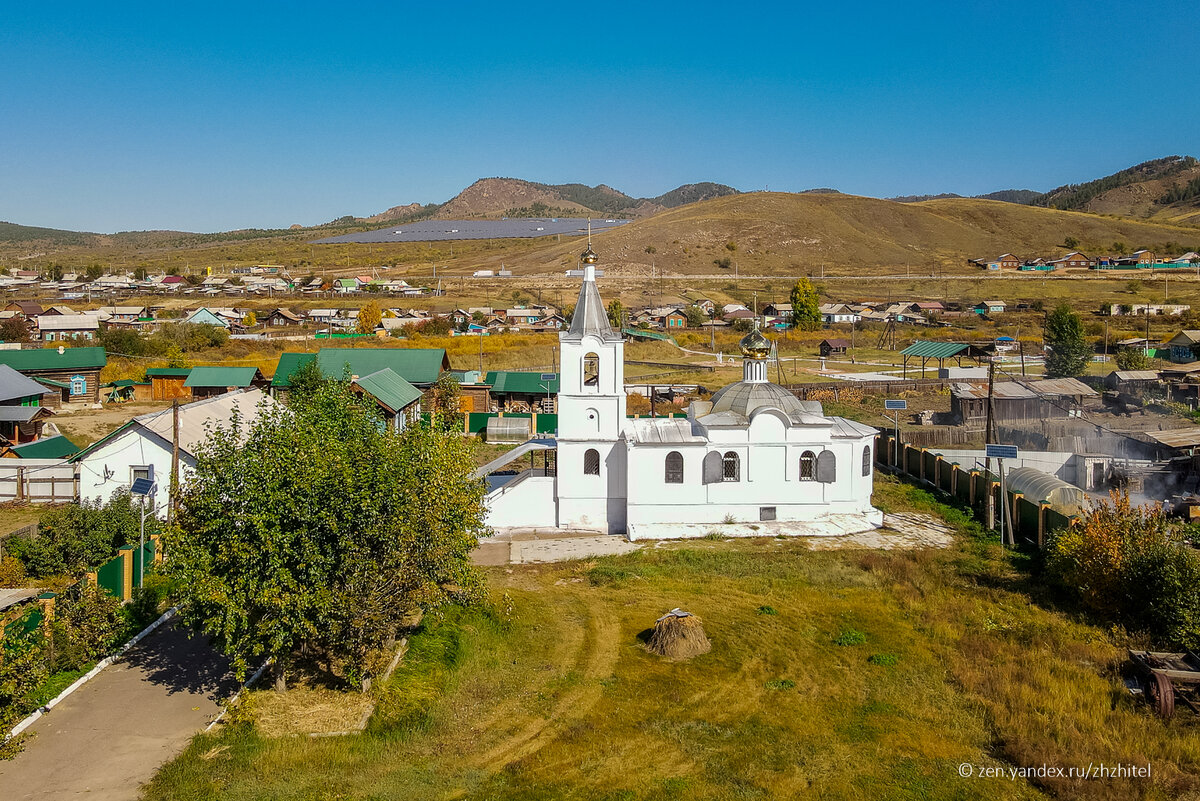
pixel 777 233
pixel 1166 189
pixel 513 197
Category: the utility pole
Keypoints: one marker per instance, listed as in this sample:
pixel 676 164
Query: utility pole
pixel 174 491
pixel 989 433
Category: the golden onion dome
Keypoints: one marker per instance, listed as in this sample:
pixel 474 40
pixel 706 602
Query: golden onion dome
pixel 589 256
pixel 755 346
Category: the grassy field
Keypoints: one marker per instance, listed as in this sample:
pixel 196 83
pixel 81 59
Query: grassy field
pixel 844 674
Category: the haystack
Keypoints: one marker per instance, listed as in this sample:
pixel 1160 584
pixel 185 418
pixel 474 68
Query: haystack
pixel 678 635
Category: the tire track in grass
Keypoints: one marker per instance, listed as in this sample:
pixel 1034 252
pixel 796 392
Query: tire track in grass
pixel 599 658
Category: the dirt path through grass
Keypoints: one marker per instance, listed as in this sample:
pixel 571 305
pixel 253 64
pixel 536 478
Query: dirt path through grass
pixel 595 661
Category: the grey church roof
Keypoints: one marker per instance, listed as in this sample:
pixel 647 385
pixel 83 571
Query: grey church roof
pixel 590 318
pixel 744 397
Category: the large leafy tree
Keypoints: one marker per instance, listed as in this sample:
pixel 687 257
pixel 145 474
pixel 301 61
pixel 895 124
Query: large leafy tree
pixel 369 317
pixel 806 306
pixel 318 528
pixel 1069 352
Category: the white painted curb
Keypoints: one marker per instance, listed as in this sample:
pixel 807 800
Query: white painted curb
pixel 91 674
pixel 238 694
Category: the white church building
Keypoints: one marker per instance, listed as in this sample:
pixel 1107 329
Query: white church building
pixel 753 453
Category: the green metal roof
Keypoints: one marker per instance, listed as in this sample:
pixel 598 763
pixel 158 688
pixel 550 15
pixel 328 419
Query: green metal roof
pixel 289 363
pixel 389 389
pixel 415 365
pixel 125 382
pixel 48 448
pixel 221 377
pixel 639 333
pixel 52 383
pixel 528 383
pixel 51 359
pixel 934 350
pixel 168 372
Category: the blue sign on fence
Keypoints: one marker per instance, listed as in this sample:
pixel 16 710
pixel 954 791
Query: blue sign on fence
pixel 1001 451
pixel 895 405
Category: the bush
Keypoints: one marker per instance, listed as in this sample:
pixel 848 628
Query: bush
pixel 85 629
pixel 850 637
pixel 1132 359
pixel 12 572
pixel 1133 566
pixel 77 537
pixel 149 600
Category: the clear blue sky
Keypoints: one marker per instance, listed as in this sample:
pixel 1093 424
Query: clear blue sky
pixel 213 117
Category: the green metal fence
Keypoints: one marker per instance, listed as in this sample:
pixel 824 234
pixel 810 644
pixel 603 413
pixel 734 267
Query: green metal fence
pixel 111 576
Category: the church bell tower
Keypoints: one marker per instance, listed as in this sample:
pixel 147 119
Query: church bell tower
pixel 591 414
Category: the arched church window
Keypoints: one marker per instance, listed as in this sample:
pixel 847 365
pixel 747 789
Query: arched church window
pixel 826 467
pixel 591 462
pixel 674 468
pixel 591 370
pixel 867 460
pixel 712 468
pixel 808 466
pixel 732 467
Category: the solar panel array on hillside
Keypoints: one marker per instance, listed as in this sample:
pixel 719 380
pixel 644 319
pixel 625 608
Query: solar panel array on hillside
pixel 442 230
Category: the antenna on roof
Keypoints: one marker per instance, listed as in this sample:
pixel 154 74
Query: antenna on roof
pixel 589 219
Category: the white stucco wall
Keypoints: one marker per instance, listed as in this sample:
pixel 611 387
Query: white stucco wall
pixel 525 502
pixel 110 468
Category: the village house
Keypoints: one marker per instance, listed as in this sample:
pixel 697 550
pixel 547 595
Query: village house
pixel 1022 401
pixel 989 307
pixel 67 327
pixel 167 383
pixel 1005 261
pixel 1074 259
pixel 25 308
pixel 142 448
pixel 74 373
pixel 781 310
pixel 833 347
pixel 204 382
pixel 22 413
pixel 519 392
pixel 1184 346
pixel 835 313
pixel 280 318
pixel 399 400
pixel 418 366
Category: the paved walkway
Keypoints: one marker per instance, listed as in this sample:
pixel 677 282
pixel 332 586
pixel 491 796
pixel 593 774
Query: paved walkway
pixel 530 546
pixel 110 736
pixel 537 545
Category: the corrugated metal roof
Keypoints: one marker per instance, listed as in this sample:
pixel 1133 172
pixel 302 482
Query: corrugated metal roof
pixel 195 418
pixel 288 364
pixel 51 359
pixel 415 365
pixel 389 389
pixel 1062 386
pixel 528 383
pixel 47 448
pixel 1136 375
pixel 934 350
pixel 21 414
pixel 14 385
pixel 216 376
pixel 661 430
pixel 850 428
pixel 1177 438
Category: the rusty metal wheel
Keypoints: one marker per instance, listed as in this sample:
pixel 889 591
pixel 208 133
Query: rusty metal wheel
pixel 1160 694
